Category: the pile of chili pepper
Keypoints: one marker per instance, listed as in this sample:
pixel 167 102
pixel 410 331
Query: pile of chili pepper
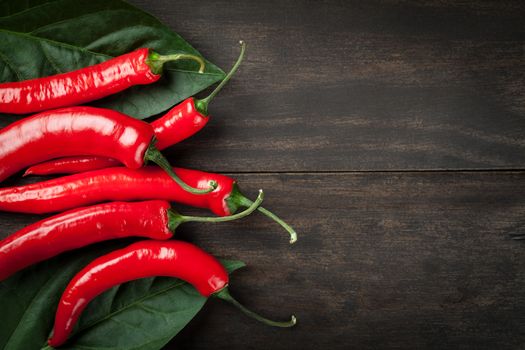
pixel 109 191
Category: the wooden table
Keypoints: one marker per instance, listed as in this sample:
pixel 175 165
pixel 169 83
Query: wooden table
pixel 391 134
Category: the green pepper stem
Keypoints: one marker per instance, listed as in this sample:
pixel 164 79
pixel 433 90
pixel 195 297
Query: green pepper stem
pixel 202 105
pixel 154 155
pixel 239 215
pixel 156 61
pixel 175 219
pixel 245 202
pixel 224 294
pixel 288 228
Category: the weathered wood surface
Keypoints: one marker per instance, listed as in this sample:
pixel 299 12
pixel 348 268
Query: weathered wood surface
pixel 359 85
pixel 384 260
pixel 332 94
pixel 419 261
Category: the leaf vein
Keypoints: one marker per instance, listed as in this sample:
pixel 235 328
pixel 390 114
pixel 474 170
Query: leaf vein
pixel 9 64
pixel 43 288
pixel 127 306
pixel 129 325
pixel 29 9
pixel 54 42
pixel 52 62
pixel 65 20
pixel 154 312
pixel 117 289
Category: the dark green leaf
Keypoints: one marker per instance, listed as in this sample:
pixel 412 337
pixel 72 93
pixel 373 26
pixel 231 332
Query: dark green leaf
pixel 143 314
pixel 40 38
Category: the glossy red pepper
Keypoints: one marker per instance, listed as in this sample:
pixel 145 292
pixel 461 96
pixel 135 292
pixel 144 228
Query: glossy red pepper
pixel 141 260
pixel 139 67
pixel 83 226
pixel 181 122
pixel 79 131
pixel 123 184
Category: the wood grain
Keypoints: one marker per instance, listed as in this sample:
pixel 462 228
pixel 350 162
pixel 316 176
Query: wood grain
pixel 347 113
pixel 383 261
pixel 359 85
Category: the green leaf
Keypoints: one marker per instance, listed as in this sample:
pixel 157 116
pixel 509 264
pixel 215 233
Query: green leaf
pixel 142 314
pixel 40 38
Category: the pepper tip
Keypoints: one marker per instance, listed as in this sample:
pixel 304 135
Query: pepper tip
pixel 294 320
pixel 50 343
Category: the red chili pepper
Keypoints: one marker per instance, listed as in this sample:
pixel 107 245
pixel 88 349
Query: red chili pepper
pixel 141 260
pixel 181 122
pixel 83 226
pixel 123 184
pixel 80 131
pixel 139 67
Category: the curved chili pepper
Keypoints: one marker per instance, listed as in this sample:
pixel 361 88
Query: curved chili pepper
pixel 80 131
pixel 141 260
pixel 139 67
pixel 83 226
pixel 181 122
pixel 123 184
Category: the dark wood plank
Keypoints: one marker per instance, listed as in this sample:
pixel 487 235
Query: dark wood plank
pixel 353 85
pixel 384 260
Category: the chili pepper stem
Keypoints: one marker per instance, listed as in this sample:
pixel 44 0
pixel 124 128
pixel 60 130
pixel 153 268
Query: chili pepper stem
pixel 175 219
pixel 156 61
pixel 202 105
pixel 293 235
pixel 291 231
pixel 237 199
pixel 224 294
pixel 154 155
